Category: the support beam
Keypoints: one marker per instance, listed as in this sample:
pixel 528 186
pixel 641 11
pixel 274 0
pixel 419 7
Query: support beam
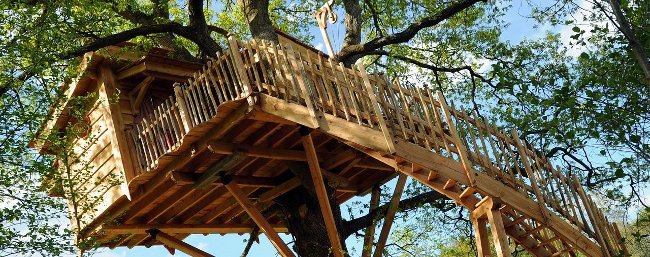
pixel 368 238
pixel 259 219
pixel 390 215
pixel 481 235
pixel 499 236
pixel 141 90
pixel 321 192
pixel 224 164
pixel 141 229
pixel 282 154
pixel 177 244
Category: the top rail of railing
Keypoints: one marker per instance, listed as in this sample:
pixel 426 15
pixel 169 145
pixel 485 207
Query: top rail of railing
pixel 414 114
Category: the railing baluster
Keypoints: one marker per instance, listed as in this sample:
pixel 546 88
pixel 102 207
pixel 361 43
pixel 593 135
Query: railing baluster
pixel 182 108
pixel 460 146
pixel 208 90
pixel 215 83
pixel 425 108
pixel 228 77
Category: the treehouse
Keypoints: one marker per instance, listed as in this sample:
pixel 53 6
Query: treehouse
pixel 175 148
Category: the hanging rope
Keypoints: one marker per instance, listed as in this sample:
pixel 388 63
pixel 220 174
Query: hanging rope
pixel 324 14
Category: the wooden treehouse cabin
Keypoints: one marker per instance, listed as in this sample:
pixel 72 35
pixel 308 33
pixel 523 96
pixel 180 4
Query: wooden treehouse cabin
pixel 203 149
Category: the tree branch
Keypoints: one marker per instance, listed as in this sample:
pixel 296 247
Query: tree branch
pixel 360 50
pixel 218 30
pixel 171 27
pixel 351 226
pixel 251 240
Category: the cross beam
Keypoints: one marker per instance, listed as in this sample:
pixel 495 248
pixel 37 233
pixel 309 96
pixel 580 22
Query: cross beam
pixel 176 243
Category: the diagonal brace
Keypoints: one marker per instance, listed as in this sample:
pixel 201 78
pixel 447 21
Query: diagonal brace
pixel 321 192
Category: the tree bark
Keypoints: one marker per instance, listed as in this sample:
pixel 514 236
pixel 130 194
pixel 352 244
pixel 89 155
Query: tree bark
pixel 360 50
pixel 352 27
pixel 259 22
pixel 625 28
pixel 303 216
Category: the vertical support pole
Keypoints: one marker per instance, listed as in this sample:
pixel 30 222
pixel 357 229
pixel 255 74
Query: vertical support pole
pixel 499 236
pixel 390 215
pixel 115 125
pixel 368 238
pixel 182 108
pixel 480 233
pixel 460 145
pixel 523 153
pixel 390 143
pixel 321 192
pixel 241 69
pixel 259 219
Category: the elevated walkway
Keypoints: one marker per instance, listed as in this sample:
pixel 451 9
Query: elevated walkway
pixel 500 179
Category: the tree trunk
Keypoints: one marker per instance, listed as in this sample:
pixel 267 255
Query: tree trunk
pixel 303 216
pixel 627 30
pixel 257 16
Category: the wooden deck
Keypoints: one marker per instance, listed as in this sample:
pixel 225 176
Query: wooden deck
pixel 240 116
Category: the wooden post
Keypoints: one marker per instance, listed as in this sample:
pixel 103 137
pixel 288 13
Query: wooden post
pixel 499 236
pixel 390 215
pixel 368 238
pixel 480 233
pixel 115 125
pixel 240 69
pixel 186 120
pixel 177 244
pixel 321 192
pixel 390 143
pixel 460 146
pixel 259 219
pixel 523 153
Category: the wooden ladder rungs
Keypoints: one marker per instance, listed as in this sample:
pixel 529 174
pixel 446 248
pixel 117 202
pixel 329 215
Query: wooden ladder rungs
pixel 541 244
pixel 517 221
pixel 532 231
pixel 450 183
pixel 562 252
pixel 432 175
pixel 467 192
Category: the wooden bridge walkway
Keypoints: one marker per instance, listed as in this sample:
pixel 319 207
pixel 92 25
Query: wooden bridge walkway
pixel 498 177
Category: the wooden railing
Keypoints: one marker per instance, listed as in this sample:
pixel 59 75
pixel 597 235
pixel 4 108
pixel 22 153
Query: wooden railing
pixel 414 114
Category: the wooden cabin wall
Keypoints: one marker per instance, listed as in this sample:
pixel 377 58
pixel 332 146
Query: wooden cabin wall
pixel 102 158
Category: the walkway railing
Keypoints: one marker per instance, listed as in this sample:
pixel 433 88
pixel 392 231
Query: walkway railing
pixel 417 115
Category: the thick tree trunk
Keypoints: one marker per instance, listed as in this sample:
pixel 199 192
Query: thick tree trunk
pixel 352 28
pixel 303 216
pixel 259 22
